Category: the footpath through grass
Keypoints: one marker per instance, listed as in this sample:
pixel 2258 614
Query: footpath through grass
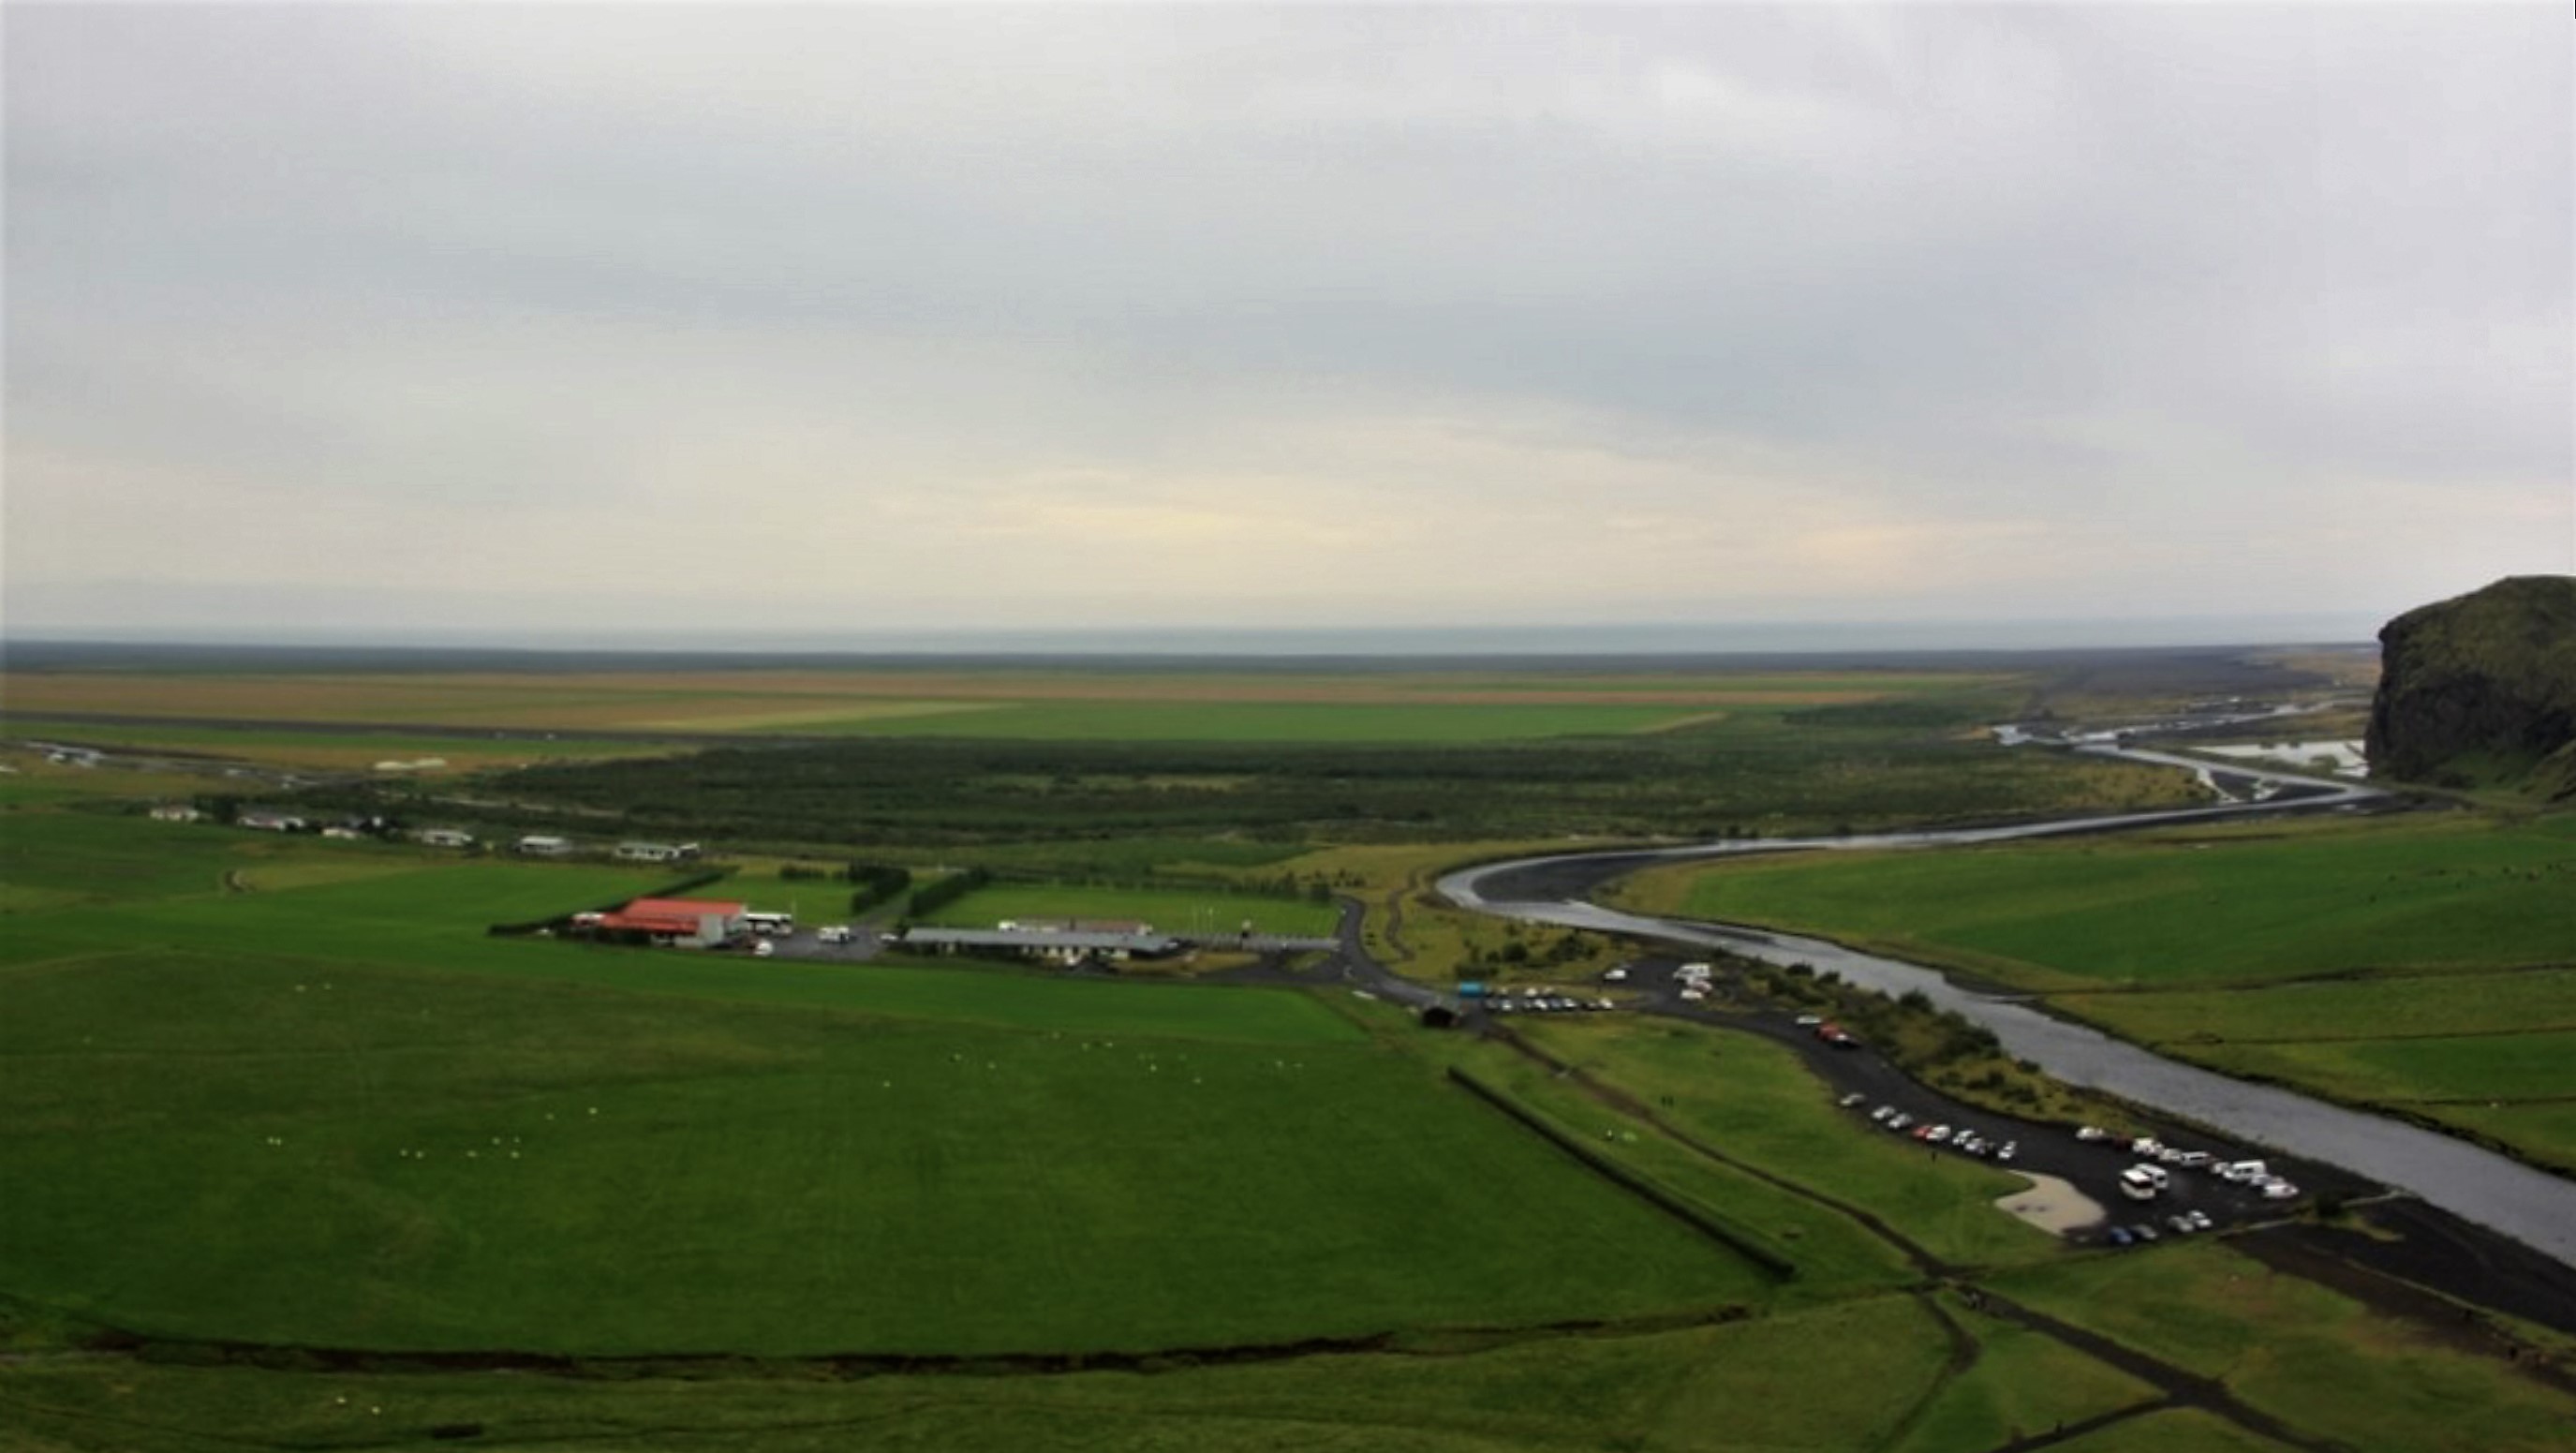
pixel 2300 1352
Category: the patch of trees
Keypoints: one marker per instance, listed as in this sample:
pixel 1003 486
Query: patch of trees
pixel 879 884
pixel 944 891
pixel 932 792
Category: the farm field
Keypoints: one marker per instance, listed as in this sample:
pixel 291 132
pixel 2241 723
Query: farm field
pixel 1757 1101
pixel 456 1142
pixel 1728 1387
pixel 321 1108
pixel 2300 1352
pixel 286 745
pixel 1106 704
pixel 453 1162
pixel 2186 909
pixel 2427 966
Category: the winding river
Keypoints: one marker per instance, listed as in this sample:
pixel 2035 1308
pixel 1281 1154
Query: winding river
pixel 2501 1194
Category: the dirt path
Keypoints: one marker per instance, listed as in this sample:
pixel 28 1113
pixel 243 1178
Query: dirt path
pixel 2181 1388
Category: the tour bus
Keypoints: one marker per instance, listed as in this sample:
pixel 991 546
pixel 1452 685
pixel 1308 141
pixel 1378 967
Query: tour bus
pixel 769 925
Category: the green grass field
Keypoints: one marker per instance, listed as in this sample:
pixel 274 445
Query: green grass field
pixel 288 1092
pixel 2193 909
pixel 220 1147
pixel 1732 1387
pixel 2301 1352
pixel 2023 1384
pixel 1755 1100
pixel 347 751
pixel 2427 965
pixel 1197 704
pixel 1148 721
pixel 331 1111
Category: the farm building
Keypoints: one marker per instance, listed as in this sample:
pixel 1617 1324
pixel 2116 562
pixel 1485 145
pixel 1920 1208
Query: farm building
pixel 537 845
pixel 679 922
pixel 173 812
pixel 657 852
pixel 446 837
pixel 269 819
pixel 1055 945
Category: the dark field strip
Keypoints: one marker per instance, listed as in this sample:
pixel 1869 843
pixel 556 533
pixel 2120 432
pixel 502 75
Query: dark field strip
pixel 1426 1341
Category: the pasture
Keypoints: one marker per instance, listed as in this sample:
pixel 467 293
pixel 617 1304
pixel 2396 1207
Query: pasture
pixel 2300 1352
pixel 1731 1387
pixel 446 1161
pixel 287 1092
pixel 2427 965
pixel 329 1111
pixel 287 745
pixel 2186 909
pixel 1360 703
pixel 1757 1101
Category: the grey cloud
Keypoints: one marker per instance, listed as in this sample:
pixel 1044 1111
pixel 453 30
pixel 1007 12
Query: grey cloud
pixel 2072 264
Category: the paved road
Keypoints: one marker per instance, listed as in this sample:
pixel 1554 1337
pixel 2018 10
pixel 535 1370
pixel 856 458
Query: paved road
pixel 2528 1205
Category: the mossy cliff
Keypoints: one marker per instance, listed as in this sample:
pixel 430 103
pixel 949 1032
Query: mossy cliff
pixel 2481 691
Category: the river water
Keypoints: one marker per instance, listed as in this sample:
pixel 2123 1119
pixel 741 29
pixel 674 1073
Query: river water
pixel 2501 1194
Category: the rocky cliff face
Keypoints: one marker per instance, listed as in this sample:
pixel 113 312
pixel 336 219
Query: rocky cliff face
pixel 2481 691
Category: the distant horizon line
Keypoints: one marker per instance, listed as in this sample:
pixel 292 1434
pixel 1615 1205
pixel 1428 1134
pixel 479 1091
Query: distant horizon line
pixel 1642 639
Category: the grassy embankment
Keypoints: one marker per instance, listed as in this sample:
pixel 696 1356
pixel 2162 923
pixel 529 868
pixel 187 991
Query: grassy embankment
pixel 2427 966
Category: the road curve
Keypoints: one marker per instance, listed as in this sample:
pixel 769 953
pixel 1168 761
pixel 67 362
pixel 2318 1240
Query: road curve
pixel 2491 1190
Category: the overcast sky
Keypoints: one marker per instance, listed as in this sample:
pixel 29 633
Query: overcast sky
pixel 610 321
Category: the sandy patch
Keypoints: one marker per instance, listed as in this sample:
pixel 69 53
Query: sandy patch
pixel 2052 1205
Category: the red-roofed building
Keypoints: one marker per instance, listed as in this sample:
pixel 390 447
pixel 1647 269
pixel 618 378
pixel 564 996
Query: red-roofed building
pixel 687 922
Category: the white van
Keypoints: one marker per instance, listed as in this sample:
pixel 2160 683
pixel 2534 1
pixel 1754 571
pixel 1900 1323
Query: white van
pixel 2138 1185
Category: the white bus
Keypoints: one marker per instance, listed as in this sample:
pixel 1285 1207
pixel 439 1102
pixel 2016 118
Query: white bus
pixel 769 925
